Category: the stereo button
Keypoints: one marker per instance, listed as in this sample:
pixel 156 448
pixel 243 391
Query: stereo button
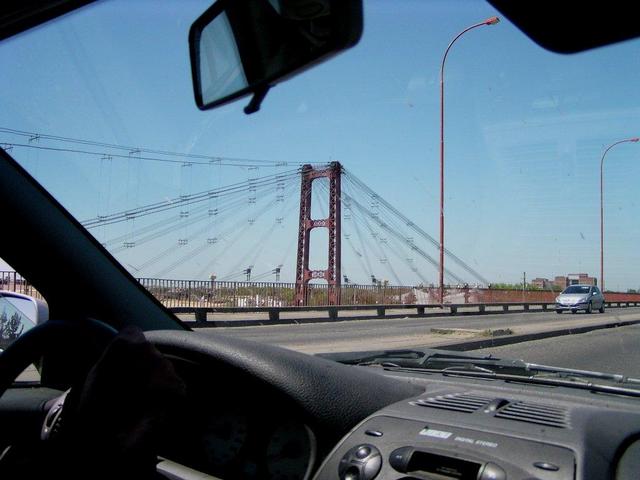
pixel 371 467
pixel 399 458
pixel 550 467
pixel 491 471
pixel 363 452
pixel 360 463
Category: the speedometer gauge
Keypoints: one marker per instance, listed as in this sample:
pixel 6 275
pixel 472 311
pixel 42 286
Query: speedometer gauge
pixel 223 437
pixel 290 452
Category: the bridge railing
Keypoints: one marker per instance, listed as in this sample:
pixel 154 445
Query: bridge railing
pixel 207 294
pixel 13 282
pixel 188 293
pixel 198 293
pixel 224 316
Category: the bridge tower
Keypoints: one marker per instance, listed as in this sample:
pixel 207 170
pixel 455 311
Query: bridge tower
pixel 332 274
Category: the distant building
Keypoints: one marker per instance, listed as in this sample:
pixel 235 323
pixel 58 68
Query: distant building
pixel 581 278
pixel 560 282
pixel 575 279
pixel 543 283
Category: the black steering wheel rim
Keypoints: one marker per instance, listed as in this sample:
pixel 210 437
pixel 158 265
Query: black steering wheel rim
pixel 48 338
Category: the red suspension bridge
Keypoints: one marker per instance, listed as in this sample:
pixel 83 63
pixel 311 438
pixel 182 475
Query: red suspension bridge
pixel 351 246
pixel 373 228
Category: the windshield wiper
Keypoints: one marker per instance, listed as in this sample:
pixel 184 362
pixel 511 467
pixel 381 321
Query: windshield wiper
pixel 400 358
pixel 496 365
pixel 560 372
pixel 552 380
pixel 457 363
pixel 428 358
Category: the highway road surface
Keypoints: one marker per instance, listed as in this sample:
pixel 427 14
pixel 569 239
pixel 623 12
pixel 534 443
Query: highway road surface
pixel 396 333
pixel 615 350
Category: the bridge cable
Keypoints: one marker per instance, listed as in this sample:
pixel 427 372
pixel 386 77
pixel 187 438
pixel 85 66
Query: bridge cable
pixel 206 245
pixel 183 201
pixel 417 229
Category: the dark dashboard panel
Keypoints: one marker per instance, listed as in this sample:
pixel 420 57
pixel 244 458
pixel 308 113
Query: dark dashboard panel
pixel 231 444
pixel 235 427
pixel 274 396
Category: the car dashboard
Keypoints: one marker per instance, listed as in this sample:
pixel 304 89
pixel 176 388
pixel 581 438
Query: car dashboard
pixel 254 411
pixel 440 426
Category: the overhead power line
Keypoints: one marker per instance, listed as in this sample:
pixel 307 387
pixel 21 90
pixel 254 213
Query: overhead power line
pixel 231 161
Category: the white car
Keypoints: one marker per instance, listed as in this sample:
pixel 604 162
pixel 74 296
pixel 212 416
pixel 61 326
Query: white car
pixel 580 297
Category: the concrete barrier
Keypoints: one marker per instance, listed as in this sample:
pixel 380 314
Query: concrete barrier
pixel 381 311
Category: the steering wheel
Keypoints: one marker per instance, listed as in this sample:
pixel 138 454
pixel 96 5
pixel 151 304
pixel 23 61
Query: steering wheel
pixel 109 418
pixel 48 338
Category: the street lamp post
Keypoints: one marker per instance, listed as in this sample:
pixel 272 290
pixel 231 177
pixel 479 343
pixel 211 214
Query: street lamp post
pixel 488 21
pixel 634 140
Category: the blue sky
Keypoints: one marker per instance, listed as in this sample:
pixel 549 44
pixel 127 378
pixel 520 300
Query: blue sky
pixel 525 129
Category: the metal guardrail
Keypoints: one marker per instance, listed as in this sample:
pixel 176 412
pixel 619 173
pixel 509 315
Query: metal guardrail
pixel 201 313
pixel 13 282
pixel 219 294
pixel 200 297
pixel 186 293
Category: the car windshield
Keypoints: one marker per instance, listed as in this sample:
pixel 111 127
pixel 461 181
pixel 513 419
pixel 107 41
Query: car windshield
pixel 203 208
pixel 577 289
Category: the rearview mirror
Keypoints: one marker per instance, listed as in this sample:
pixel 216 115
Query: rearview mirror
pixel 242 47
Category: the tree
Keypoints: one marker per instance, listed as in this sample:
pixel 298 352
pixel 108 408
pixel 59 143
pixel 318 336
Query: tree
pixel 10 328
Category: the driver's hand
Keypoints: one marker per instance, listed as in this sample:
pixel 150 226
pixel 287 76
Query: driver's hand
pixel 110 422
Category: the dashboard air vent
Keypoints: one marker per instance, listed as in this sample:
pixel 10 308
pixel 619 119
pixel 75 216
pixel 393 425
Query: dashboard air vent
pixel 535 413
pixel 459 402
